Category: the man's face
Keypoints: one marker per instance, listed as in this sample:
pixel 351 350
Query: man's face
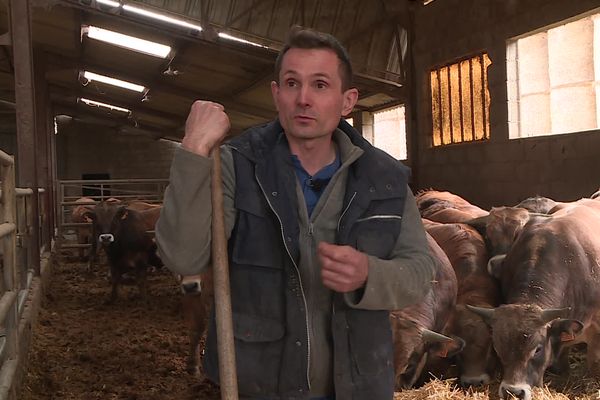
pixel 309 96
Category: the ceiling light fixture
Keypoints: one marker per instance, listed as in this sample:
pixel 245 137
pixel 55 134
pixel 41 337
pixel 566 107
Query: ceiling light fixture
pixel 109 3
pixel 91 76
pixel 236 39
pixel 162 17
pixel 126 41
pixel 93 103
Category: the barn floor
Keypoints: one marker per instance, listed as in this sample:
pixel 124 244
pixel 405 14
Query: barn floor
pixel 83 348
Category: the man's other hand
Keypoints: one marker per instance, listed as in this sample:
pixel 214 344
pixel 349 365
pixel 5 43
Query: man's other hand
pixel 343 268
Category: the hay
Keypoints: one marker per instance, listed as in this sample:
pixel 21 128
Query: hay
pixel 583 389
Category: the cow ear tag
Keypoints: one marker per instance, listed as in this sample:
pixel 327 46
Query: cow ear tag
pixel 566 337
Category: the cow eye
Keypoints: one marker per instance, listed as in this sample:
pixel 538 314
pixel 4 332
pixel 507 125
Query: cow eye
pixel 538 350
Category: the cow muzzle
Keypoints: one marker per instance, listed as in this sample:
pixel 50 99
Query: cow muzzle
pixel 106 238
pixel 508 392
pixel 467 381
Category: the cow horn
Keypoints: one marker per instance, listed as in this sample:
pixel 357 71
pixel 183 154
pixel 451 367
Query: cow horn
pixel 432 337
pixel 485 313
pixel 553 313
pixel 494 265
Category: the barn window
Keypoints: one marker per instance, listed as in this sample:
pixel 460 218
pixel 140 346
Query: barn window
pixel 460 101
pixel 554 79
pixel 389 132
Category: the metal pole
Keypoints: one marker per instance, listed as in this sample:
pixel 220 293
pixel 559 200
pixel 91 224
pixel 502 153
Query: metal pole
pixel 20 28
pixel 225 343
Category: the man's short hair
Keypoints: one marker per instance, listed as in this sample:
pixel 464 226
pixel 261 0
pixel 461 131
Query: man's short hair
pixel 305 38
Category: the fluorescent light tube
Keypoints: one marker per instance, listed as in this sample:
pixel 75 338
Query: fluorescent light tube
pixel 229 37
pixel 126 41
pixel 91 76
pixel 93 103
pixel 161 17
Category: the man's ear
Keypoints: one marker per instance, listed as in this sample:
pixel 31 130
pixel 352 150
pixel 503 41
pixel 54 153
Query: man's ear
pixel 275 93
pixel 350 99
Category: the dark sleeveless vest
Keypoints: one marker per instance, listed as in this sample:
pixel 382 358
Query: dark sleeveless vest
pixel 269 320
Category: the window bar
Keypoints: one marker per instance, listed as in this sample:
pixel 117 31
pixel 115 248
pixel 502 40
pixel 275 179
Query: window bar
pixel 472 92
pixel 483 112
pixel 460 103
pixel 450 105
pixel 439 83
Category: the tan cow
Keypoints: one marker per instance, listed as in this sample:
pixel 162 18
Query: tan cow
pixel 467 253
pixel 196 303
pixel 446 207
pixel 550 282
pixel 415 328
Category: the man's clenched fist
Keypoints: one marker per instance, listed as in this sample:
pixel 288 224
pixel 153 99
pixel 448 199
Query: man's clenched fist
pixel 343 268
pixel 205 127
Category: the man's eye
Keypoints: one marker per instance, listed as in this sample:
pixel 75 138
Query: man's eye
pixel 321 85
pixel 291 83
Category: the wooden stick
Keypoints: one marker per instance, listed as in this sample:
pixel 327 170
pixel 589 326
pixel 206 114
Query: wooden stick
pixel 225 344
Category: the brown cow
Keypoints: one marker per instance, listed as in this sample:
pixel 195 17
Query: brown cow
pixel 501 227
pixel 467 253
pixel 446 207
pixel 414 328
pixel 122 234
pixel 84 233
pixel 140 205
pixel 196 303
pixel 537 204
pixel 550 283
pixel 592 203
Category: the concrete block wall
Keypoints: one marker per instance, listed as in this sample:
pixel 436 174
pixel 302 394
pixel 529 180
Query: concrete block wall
pixel 90 150
pixel 499 171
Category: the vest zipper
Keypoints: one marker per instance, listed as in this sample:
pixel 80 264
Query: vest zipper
pixel 299 279
pixel 344 212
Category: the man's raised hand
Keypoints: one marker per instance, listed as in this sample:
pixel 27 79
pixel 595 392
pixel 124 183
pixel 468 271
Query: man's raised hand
pixel 205 127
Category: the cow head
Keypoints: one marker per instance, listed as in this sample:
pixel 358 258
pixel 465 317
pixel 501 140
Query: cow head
pixel 526 339
pixel 501 227
pixel 413 345
pixel 191 284
pixel 107 218
pixel 477 361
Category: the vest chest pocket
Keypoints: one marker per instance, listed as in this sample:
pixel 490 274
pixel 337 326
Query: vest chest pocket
pixel 376 235
pixel 256 238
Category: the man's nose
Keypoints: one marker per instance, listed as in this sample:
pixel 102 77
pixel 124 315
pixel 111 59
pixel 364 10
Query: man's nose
pixel 304 96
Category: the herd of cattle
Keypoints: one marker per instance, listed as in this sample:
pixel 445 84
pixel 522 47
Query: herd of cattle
pixel 516 287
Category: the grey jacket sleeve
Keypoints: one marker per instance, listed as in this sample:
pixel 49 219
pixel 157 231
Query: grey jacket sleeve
pixel 183 231
pixel 407 276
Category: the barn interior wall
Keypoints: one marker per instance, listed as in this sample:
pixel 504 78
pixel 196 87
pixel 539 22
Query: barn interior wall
pixel 499 171
pixel 85 150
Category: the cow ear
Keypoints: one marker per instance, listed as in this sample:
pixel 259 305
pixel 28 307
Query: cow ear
pixel 89 216
pixel 479 224
pixel 447 348
pixel 565 330
pixel 122 213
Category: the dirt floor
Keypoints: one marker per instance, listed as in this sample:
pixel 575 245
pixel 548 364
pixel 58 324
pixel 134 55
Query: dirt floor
pixel 83 348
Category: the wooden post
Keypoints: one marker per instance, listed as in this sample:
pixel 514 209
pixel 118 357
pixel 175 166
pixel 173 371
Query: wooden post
pixel 225 343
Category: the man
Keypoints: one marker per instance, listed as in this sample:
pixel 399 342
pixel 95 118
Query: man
pixel 324 234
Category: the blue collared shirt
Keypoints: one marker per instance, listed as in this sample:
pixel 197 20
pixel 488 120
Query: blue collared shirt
pixel 313 186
